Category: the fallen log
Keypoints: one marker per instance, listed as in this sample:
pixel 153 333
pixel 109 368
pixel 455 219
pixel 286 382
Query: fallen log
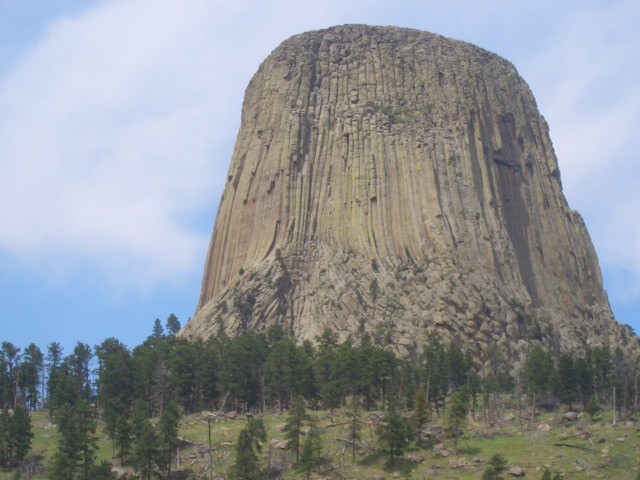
pixel 571 446
pixel 336 424
pixel 364 444
pixel 369 447
pixel 190 442
pixel 338 474
pixel 350 442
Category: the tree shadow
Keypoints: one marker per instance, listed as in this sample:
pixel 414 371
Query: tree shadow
pixel 469 451
pixel 369 460
pixel 426 443
pixel 182 475
pixel 401 465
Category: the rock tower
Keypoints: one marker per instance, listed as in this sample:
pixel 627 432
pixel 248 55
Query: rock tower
pixel 396 182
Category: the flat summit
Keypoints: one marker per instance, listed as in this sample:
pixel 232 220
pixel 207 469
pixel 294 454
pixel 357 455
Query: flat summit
pixel 396 182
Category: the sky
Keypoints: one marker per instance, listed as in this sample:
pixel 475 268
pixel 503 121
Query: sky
pixel 118 119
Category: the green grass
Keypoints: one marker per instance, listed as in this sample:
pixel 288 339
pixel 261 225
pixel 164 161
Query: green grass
pixel 530 448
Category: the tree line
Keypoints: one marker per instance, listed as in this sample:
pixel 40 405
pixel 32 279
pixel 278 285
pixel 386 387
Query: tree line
pixel 167 376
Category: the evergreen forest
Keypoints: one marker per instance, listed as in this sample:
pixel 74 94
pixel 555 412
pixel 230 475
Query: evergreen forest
pixel 333 402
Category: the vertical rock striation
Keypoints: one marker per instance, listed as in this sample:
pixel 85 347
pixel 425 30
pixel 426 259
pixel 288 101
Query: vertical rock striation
pixel 396 182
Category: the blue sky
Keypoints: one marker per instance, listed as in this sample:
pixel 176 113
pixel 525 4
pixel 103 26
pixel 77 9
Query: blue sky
pixel 117 122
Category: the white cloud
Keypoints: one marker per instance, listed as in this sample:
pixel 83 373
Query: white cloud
pixel 586 82
pixel 108 137
pixel 116 129
pixel 115 133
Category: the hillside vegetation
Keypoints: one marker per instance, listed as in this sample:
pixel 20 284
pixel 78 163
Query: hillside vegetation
pixel 261 405
pixel 521 443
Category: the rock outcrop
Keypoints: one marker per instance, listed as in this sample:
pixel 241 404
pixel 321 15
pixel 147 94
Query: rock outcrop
pixel 396 182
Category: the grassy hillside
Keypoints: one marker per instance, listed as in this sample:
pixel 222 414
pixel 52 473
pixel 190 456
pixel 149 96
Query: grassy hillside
pixel 521 443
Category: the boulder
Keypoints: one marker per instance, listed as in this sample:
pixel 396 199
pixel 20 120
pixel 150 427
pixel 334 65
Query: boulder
pixel 517 471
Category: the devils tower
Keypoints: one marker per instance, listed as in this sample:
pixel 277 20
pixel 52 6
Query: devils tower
pixel 396 182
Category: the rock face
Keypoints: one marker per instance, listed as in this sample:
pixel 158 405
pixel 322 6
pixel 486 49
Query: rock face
pixel 396 182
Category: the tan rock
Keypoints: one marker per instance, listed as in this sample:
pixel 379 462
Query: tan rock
pixel 517 471
pixel 425 154
pixel 570 416
pixel 439 450
pixel 279 444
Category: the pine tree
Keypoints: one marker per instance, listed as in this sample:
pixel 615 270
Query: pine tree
pixel 288 371
pixel 584 379
pixel 421 414
pixel 9 358
pixel 496 466
pixel 248 447
pixel 242 367
pixel 115 383
pixel 123 440
pixel 173 325
pixel 258 432
pixel 538 371
pixel 76 453
pixel 167 437
pixel 149 362
pixel 566 386
pixel 592 408
pixel 5 448
pixel 456 415
pixel 54 359
pixel 145 450
pixel 310 449
pixel 331 395
pixel 328 371
pixel 20 435
pixel 353 414
pixel 102 471
pixel 296 417
pixel 374 289
pixel 393 435
pixel 435 371
pixel 247 465
pixel 489 474
pixel 29 376
pixel 158 331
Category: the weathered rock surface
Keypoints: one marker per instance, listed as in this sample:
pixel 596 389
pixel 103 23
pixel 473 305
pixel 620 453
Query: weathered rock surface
pixel 396 182
pixel 517 471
